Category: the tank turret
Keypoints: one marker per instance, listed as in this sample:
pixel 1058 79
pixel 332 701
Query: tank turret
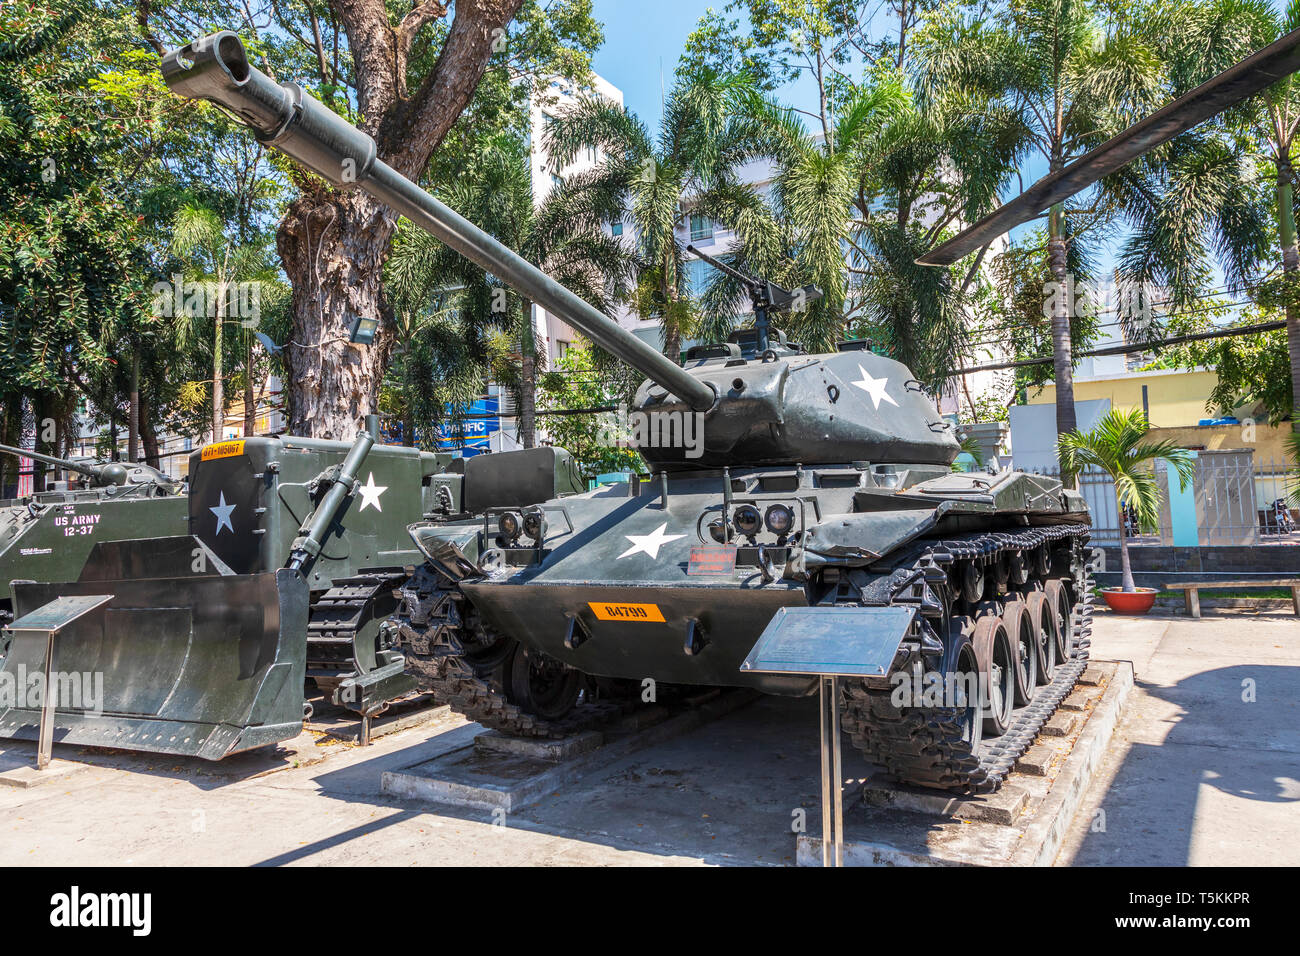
pixel 103 474
pixel 759 406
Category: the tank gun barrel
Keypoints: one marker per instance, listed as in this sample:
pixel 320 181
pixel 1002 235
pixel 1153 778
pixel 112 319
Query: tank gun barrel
pixel 215 68
pixel 96 471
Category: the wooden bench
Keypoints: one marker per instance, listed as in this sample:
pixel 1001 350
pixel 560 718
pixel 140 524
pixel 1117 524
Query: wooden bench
pixel 1192 598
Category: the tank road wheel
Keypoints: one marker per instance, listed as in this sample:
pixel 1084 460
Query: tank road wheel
pixel 1041 560
pixel 997 669
pixel 1059 597
pixel 542 685
pixel 1024 645
pixel 1044 620
pixel 971 581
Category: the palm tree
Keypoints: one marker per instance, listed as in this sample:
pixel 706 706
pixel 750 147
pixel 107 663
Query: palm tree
pixel 1068 79
pixel 565 236
pixel 200 240
pixel 667 177
pixel 1115 445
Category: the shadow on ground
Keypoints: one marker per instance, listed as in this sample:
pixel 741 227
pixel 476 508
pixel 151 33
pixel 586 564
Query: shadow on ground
pixel 1222 737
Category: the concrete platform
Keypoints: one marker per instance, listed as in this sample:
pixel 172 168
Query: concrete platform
pixel 498 772
pixel 22 774
pixel 1022 824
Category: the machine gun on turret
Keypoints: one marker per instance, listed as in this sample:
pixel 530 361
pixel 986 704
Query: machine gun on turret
pixel 766 297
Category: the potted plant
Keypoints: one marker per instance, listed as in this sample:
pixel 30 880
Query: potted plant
pixel 1115 445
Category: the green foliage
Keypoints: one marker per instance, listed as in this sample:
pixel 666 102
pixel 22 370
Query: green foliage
pixel 465 327
pixel 1253 370
pixel 577 383
pixel 695 153
pixel 73 277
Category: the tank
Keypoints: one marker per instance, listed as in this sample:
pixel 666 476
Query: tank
pixel 282 568
pixel 47 535
pixel 802 516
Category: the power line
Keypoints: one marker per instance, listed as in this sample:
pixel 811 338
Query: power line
pixel 1130 347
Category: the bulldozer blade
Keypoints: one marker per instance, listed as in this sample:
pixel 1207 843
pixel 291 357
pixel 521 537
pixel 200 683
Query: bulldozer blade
pixel 200 666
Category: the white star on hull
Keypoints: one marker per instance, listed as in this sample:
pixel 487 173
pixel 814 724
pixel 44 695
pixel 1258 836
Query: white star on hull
pixel 370 493
pixel 649 543
pixel 222 511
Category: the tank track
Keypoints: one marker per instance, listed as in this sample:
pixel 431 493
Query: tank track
pixel 924 746
pixel 432 620
pixel 337 617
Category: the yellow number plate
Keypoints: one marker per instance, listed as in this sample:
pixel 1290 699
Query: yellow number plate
pixel 626 612
pixel 223 449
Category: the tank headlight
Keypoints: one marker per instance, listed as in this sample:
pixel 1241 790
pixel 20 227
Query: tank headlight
pixel 747 520
pixel 779 519
pixel 508 525
pixel 718 530
pixel 535 525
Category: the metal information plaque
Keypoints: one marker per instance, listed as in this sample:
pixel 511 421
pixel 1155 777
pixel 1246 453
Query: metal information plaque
pixel 59 613
pixel 843 641
pixel 712 559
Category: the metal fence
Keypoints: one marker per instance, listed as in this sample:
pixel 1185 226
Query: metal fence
pixel 1239 501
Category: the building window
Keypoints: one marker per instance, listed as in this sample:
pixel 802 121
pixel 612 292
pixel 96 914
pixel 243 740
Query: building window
pixel 701 228
pixel 697 276
pixel 616 228
pixel 556 181
pixel 561 347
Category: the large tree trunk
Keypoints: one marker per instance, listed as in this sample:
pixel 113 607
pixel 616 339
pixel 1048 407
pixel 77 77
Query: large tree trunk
pixel 1291 266
pixel 333 245
pixel 1062 356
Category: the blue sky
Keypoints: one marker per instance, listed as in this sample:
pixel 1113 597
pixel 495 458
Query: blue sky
pixel 638 37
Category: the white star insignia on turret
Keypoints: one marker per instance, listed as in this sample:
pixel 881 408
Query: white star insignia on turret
pixel 875 387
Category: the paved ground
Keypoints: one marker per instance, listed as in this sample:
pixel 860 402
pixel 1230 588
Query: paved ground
pixel 1205 768
pixel 1199 776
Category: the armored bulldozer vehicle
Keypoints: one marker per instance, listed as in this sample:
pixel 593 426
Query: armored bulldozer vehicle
pixel 47 535
pixel 816 513
pixel 284 573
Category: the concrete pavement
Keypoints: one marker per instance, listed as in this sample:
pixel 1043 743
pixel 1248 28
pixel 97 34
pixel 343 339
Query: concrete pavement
pixel 1200 774
pixel 1205 767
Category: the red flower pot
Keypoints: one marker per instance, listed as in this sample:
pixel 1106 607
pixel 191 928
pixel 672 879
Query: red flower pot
pixel 1129 602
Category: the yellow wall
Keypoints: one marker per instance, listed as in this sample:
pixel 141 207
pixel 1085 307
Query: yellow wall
pixel 1174 399
pixel 1266 440
pixel 1177 402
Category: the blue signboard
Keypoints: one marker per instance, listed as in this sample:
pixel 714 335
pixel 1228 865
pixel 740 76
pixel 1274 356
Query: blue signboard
pixel 473 435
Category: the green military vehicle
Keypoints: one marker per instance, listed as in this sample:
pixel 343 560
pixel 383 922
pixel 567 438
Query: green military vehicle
pixel 287 564
pixel 47 536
